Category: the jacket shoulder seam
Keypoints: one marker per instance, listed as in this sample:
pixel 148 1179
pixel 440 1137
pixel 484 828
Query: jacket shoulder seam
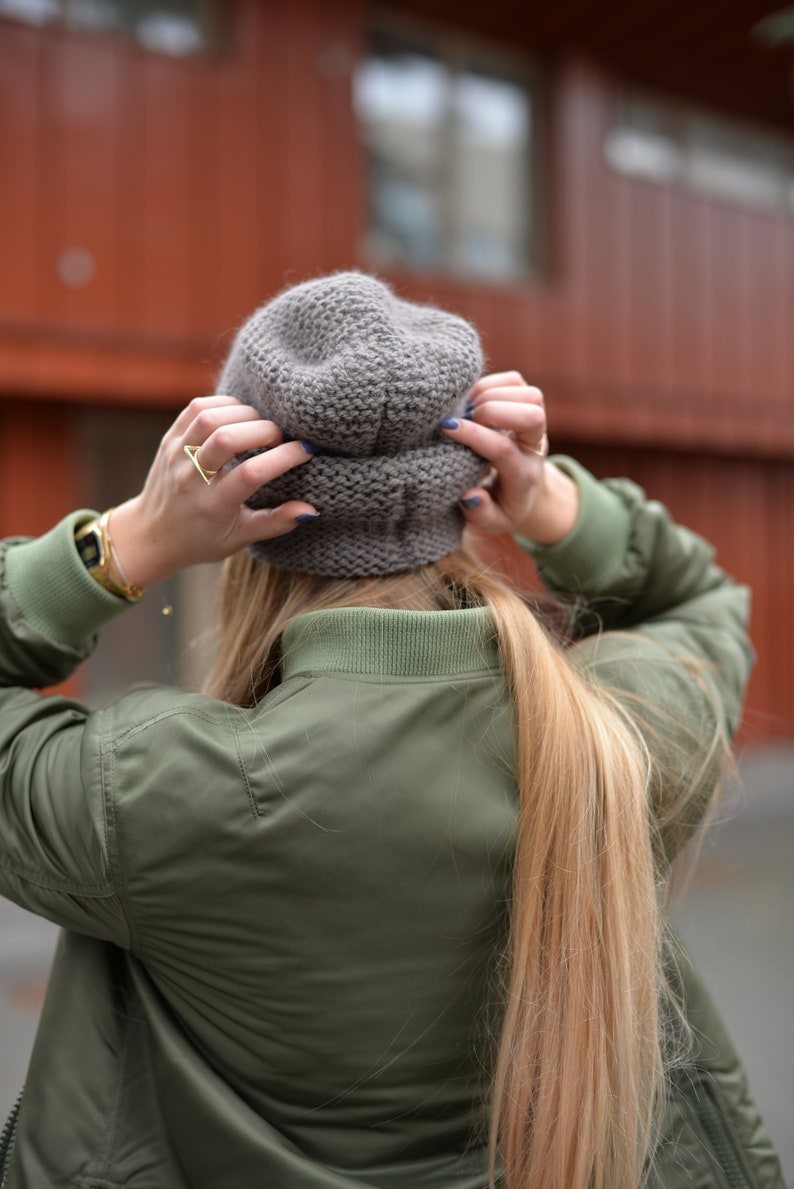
pixel 118 741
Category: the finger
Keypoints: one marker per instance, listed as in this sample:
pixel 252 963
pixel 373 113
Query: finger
pixel 237 437
pixel 197 406
pixel 266 523
pixel 526 421
pixel 497 380
pixel 518 394
pixel 495 446
pixel 241 482
pixel 216 417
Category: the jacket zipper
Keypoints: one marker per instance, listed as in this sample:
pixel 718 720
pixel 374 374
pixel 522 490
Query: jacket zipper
pixel 717 1134
pixel 7 1137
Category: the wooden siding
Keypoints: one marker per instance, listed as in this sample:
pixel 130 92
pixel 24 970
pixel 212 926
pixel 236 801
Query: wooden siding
pixel 665 317
pixel 745 507
pixel 661 332
pixel 197 187
pixel 200 187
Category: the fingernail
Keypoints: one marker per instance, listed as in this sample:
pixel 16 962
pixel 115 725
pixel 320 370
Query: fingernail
pixel 286 436
pixel 470 501
pixel 309 447
pixel 304 516
pixel 449 423
pixel 467 416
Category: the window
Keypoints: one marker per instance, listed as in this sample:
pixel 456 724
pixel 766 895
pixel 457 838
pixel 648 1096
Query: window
pixel 449 134
pixel 708 154
pixel 176 27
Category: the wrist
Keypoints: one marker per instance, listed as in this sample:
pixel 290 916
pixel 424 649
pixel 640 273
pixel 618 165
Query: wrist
pixel 554 511
pixel 135 545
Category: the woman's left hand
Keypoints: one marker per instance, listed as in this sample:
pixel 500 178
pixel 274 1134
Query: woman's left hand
pixel 179 519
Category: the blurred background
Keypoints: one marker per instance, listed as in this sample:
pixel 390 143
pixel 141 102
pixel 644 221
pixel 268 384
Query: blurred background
pixel 606 190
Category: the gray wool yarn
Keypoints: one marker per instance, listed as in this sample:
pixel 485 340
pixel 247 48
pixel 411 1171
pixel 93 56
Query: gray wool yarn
pixel 364 375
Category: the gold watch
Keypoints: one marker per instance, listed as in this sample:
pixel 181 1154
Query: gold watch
pixel 96 553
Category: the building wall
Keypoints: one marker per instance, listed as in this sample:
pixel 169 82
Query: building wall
pixel 149 204
pixel 746 507
pixel 195 187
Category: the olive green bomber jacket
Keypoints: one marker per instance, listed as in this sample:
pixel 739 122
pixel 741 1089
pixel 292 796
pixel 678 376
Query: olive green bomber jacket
pixel 280 922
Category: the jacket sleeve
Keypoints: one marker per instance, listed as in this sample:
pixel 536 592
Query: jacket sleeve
pixel 53 824
pixel 663 628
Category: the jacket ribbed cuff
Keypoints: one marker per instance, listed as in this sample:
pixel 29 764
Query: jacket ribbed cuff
pixel 52 588
pixel 591 555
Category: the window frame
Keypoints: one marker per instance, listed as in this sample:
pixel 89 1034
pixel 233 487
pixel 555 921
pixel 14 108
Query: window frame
pixel 207 15
pixel 457 50
pixel 682 120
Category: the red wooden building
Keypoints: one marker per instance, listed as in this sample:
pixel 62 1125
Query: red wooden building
pixel 608 191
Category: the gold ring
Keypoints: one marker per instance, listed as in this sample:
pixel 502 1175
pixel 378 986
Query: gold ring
pixel 541 449
pixel 192 453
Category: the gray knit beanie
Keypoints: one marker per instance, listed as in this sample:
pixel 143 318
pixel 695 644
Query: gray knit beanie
pixel 344 363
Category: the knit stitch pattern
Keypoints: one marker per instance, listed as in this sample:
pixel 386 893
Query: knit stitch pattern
pixel 365 376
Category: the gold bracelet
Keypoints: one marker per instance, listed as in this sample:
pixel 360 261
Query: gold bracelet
pixel 129 589
pixel 96 551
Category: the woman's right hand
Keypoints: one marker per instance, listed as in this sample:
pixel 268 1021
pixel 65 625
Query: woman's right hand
pixel 524 493
pixel 179 520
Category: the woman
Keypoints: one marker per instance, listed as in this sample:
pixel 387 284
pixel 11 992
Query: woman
pixel 398 868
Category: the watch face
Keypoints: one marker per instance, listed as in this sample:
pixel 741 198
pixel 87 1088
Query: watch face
pixel 88 546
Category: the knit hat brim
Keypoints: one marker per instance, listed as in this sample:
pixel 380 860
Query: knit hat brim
pixel 393 513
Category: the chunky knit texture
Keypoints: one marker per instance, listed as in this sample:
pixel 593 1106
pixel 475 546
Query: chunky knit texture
pixel 365 376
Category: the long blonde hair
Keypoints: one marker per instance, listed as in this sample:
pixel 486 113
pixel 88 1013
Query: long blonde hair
pixel 579 1071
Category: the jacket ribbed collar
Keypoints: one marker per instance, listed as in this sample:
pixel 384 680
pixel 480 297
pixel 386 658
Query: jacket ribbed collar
pixel 391 643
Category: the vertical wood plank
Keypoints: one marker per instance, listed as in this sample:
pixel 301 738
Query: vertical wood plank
pixel 20 166
pixel 165 184
pixel 342 41
pixel 572 126
pixel 727 279
pixel 301 101
pixel 650 302
pixel 691 316
pixel 238 208
pixel 766 312
pixel 39 475
pixel 80 162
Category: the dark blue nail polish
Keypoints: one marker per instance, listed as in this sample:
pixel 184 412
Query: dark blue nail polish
pixel 449 423
pixel 288 437
pixel 471 501
pixel 305 516
pixel 467 416
pixel 309 447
